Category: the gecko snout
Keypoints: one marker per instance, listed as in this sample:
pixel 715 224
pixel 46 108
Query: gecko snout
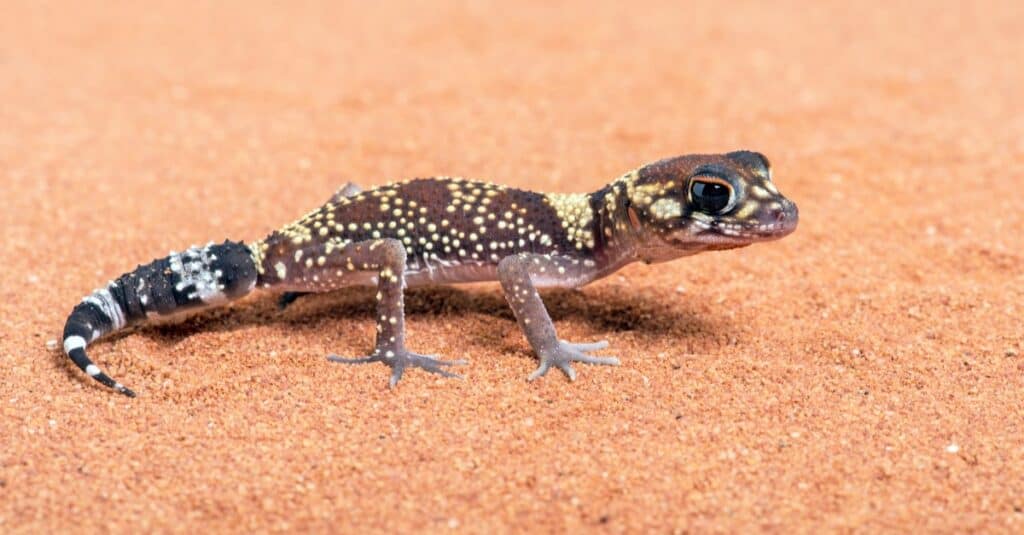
pixel 783 216
pixel 787 211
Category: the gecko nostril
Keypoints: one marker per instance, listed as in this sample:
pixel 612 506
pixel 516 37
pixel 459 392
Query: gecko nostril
pixel 780 215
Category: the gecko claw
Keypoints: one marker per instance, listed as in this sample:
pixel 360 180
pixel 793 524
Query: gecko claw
pixel 565 353
pixel 398 361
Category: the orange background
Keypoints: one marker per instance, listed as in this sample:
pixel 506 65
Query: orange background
pixel 865 371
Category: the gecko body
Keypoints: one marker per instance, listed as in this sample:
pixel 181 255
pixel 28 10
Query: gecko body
pixel 450 230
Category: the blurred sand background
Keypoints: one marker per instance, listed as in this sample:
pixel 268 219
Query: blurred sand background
pixel 864 374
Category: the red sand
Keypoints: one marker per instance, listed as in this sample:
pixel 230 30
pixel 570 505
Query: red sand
pixel 866 372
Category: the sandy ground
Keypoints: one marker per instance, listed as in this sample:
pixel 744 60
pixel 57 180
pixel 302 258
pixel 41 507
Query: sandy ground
pixel 864 374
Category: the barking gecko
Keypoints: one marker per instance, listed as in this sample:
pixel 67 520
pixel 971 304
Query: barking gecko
pixel 445 230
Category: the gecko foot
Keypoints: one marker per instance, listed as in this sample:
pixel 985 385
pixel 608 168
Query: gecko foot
pixel 398 361
pixel 567 352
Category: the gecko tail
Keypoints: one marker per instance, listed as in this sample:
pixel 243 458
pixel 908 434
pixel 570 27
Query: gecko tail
pixel 196 278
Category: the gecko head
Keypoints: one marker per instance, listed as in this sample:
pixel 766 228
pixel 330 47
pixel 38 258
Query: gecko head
pixel 707 202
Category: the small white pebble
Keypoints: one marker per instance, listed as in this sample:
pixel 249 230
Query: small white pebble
pixel 53 423
pixel 32 279
pixel 453 523
pixel 51 344
pixel 952 448
pixel 680 289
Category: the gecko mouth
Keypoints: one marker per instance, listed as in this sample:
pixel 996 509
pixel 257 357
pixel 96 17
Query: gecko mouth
pixel 725 233
pixel 770 231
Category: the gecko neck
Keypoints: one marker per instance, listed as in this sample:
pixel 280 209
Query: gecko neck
pixel 618 241
pixel 624 238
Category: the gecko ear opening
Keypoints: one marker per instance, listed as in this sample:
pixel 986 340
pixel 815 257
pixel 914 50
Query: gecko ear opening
pixel 634 219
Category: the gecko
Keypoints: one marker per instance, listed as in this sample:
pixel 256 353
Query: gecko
pixel 445 230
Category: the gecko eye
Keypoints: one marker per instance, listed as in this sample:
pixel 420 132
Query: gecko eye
pixel 710 195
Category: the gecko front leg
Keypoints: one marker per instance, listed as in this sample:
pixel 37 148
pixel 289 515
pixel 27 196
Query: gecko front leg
pixel 387 257
pixel 517 274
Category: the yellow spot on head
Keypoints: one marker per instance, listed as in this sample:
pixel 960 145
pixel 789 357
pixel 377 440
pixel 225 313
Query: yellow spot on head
pixel 759 192
pixel 748 208
pixel 666 208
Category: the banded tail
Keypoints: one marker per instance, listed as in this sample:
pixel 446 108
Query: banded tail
pixel 196 278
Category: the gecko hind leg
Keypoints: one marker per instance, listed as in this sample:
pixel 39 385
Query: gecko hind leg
pixel 387 257
pixel 350 189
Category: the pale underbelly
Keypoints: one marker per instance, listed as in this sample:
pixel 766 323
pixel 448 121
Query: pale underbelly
pixel 416 274
pixel 438 272
pixel 435 273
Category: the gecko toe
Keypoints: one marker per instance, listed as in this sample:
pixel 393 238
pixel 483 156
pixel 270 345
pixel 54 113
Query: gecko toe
pixel 599 361
pixel 431 364
pixel 566 353
pixel 595 346
pixel 343 360
pixel 541 370
pixel 443 373
pixel 396 375
pixel 568 370
pixel 433 360
pixel 399 360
